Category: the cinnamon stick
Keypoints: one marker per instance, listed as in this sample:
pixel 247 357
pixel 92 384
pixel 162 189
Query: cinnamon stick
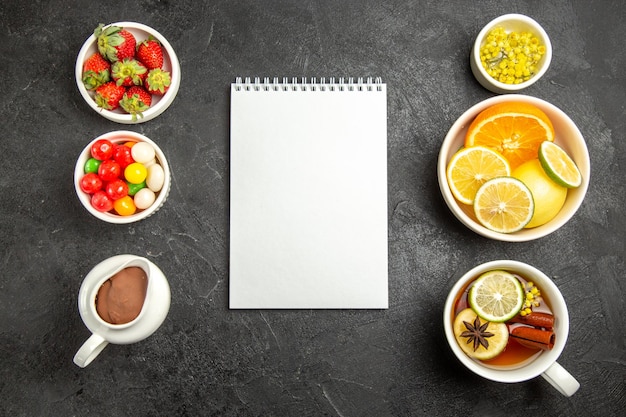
pixel 543 320
pixel 534 338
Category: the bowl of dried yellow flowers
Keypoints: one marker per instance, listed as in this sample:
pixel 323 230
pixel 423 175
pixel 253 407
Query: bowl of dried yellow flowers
pixel 510 53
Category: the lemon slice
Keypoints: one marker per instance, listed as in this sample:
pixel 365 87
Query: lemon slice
pixel 496 296
pixel 494 335
pixel 558 165
pixel 504 205
pixel 471 167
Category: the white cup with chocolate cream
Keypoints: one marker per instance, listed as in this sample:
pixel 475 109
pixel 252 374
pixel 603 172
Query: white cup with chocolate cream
pixel 122 300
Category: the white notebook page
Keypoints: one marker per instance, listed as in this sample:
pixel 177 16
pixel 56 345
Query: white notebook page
pixel 308 196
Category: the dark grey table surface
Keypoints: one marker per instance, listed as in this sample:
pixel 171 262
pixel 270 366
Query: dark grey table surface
pixel 208 360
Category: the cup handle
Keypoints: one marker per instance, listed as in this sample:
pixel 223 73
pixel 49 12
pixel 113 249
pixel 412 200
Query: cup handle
pixel 89 350
pixel 560 379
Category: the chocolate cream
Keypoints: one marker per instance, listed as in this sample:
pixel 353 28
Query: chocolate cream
pixel 121 297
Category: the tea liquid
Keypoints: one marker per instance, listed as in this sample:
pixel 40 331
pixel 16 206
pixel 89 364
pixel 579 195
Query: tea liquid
pixel 514 354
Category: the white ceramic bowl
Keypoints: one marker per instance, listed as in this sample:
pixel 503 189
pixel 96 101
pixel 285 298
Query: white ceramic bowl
pixel 159 103
pixel 567 136
pixel 510 23
pixel 122 136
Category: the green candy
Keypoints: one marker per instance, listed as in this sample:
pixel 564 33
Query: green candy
pixel 92 165
pixel 133 188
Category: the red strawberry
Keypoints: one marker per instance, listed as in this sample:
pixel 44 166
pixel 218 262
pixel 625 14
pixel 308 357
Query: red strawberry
pixel 128 72
pixel 108 95
pixel 96 71
pixel 149 52
pixel 136 100
pixel 158 81
pixel 115 43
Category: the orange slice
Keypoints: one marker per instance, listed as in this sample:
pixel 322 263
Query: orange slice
pixel 469 168
pixel 515 129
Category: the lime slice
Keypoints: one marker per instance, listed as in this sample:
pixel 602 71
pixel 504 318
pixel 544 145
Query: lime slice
pixel 504 205
pixel 496 296
pixel 494 335
pixel 558 165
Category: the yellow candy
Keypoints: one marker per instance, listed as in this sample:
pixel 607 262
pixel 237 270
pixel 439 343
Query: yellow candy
pixel 135 173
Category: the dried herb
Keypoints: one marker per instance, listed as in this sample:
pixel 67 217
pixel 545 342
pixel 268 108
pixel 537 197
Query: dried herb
pixel 477 333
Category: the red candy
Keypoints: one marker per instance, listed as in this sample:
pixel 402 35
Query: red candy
pixel 101 201
pixel 109 170
pixel 108 190
pixel 102 149
pixel 117 189
pixel 90 183
pixel 122 155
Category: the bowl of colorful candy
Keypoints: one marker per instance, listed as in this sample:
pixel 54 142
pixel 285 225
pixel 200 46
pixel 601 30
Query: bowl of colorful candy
pixel 510 53
pixel 127 72
pixel 122 177
pixel 513 168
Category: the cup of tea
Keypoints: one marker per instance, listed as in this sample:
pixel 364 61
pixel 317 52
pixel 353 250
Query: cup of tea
pixel 122 300
pixel 508 322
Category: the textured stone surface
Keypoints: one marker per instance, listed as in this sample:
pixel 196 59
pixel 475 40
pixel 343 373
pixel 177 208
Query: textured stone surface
pixel 207 360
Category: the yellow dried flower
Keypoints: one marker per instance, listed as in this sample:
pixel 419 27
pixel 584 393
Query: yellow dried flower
pixel 511 57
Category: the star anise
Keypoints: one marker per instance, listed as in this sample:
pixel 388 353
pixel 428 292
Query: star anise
pixel 477 333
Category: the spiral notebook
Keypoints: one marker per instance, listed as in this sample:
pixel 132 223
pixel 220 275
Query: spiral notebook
pixel 308 194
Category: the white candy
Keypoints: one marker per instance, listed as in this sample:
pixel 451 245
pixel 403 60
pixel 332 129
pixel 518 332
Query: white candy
pixel 151 162
pixel 155 177
pixel 142 152
pixel 144 198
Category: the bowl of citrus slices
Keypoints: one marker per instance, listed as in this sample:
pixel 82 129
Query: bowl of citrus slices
pixel 513 168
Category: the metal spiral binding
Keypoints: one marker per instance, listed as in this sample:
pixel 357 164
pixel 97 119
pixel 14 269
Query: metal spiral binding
pixel 304 84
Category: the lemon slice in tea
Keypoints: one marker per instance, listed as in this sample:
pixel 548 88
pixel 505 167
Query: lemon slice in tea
pixel 558 165
pixel 504 205
pixel 496 296
pixel 479 339
pixel 471 167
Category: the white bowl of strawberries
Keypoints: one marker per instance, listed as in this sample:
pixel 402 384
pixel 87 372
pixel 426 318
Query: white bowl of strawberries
pixel 127 72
